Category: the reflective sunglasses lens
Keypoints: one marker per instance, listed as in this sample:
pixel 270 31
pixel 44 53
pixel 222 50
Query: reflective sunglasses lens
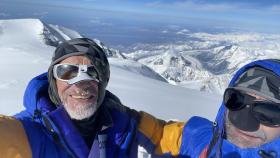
pixel 67 72
pixel 92 72
pixel 267 113
pixel 233 99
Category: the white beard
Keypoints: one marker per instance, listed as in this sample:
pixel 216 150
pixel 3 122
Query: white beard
pixel 81 112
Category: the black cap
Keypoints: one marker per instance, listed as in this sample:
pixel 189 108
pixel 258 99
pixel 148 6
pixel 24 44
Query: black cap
pixel 261 81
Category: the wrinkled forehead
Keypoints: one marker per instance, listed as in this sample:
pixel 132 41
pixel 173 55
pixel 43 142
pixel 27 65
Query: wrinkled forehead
pixel 77 60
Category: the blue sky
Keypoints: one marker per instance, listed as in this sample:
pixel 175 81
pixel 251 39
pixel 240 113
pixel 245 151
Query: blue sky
pixel 250 11
pixel 247 12
pixel 131 21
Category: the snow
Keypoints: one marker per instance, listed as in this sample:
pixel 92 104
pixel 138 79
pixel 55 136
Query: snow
pixel 169 81
pixel 66 33
pixel 206 61
pixel 24 55
pixel 161 99
pixel 136 67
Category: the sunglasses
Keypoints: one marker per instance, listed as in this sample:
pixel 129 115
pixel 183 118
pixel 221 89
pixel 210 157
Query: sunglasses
pixel 265 111
pixel 75 73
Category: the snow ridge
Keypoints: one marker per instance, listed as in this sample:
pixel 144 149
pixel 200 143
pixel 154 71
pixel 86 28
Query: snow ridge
pixel 206 61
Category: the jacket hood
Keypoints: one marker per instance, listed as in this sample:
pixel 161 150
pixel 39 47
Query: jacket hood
pixel 269 64
pixel 120 125
pixel 36 93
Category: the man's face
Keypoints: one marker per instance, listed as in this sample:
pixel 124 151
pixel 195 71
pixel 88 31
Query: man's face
pixel 79 99
pixel 245 139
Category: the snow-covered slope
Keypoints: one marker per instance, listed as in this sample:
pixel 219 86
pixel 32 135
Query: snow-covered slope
pixel 136 67
pixel 24 54
pixel 54 34
pixel 26 50
pixel 206 61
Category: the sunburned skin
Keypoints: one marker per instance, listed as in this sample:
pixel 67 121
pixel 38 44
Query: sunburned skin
pixel 245 139
pixel 79 99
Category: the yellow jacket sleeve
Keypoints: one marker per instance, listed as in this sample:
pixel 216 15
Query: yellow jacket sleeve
pixel 165 136
pixel 13 140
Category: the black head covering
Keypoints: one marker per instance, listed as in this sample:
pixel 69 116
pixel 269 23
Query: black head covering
pixel 261 82
pixel 88 48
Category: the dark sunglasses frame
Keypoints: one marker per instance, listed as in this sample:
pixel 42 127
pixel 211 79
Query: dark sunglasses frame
pixel 265 110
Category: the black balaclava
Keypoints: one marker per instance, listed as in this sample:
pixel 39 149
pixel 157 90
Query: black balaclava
pixel 83 46
pixel 88 48
pixel 261 82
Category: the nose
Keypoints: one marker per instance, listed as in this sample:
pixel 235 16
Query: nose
pixel 85 84
pixel 82 83
pixel 83 70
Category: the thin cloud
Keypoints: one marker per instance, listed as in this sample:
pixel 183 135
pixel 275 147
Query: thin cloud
pixel 212 7
pixel 4 15
pixel 164 31
pixel 97 21
pixel 183 32
pixel 193 6
pixel 174 27
pixel 40 13
pixel 275 8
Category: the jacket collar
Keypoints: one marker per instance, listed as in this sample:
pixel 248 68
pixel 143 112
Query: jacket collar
pixel 60 124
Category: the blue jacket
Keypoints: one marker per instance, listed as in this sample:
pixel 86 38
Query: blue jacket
pixel 198 136
pixel 198 133
pixel 51 134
